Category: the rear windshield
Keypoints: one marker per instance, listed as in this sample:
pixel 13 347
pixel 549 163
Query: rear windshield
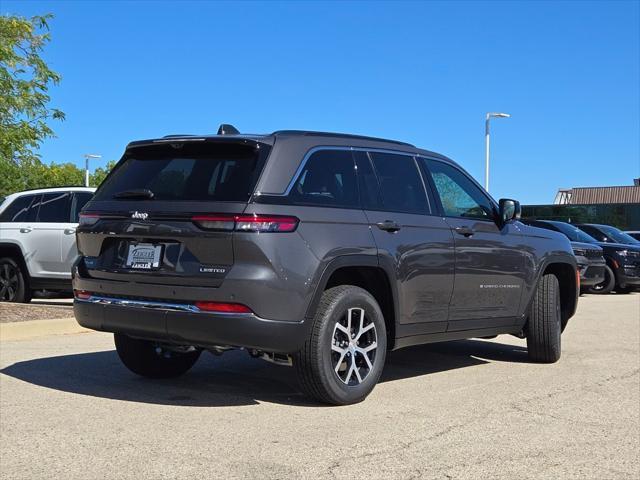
pixel 206 172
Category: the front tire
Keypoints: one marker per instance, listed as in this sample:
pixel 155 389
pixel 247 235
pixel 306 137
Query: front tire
pixel 151 360
pixel 342 360
pixel 13 282
pixel 606 285
pixel 544 327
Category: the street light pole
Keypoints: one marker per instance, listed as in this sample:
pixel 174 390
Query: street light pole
pixel 87 156
pixel 486 144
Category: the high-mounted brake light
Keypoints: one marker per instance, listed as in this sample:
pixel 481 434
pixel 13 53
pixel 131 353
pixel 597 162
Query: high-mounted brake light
pixel 88 218
pixel 247 223
pixel 221 307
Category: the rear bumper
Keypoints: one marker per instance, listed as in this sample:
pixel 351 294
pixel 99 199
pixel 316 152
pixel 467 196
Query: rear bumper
pixel 181 324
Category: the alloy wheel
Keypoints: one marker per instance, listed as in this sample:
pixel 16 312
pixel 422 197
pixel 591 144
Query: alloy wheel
pixel 353 347
pixel 9 282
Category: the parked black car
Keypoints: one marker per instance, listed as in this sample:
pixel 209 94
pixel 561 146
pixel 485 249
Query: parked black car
pixel 622 253
pixel 589 254
pixel 316 250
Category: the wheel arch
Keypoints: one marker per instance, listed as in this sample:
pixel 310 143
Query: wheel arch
pixel 366 272
pixel 14 251
pixel 566 273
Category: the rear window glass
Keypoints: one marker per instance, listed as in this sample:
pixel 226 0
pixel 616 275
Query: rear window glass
pixel 213 172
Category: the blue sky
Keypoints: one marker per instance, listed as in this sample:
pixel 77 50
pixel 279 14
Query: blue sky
pixel 426 73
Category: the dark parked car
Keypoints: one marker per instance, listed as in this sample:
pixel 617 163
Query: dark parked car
pixel 317 250
pixel 591 263
pixel 622 253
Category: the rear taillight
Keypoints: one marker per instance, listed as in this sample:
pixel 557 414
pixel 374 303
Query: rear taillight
pixel 88 218
pixel 82 294
pixel 247 223
pixel 221 307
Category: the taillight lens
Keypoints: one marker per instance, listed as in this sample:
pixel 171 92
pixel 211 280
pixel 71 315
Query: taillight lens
pixel 88 218
pixel 221 307
pixel 247 223
pixel 82 294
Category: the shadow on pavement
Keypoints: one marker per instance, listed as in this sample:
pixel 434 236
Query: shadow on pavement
pixel 235 379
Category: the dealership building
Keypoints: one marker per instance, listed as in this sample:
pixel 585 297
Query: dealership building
pixel 618 206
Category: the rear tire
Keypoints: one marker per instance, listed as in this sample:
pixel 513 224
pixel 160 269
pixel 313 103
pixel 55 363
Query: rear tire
pixel 342 360
pixel 149 359
pixel 13 282
pixel 544 326
pixel 606 285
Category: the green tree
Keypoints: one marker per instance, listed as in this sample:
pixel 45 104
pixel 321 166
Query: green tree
pixel 24 84
pixel 99 174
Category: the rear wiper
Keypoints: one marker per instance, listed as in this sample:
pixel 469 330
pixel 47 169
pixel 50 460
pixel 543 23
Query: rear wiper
pixel 136 193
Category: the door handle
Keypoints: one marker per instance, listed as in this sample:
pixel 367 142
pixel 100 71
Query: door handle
pixel 388 226
pixel 69 231
pixel 464 231
pixel 25 230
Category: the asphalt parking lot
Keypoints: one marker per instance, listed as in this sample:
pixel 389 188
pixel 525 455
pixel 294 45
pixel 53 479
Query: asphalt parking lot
pixel 468 409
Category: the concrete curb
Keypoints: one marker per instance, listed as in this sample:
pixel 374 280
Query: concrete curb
pixel 39 328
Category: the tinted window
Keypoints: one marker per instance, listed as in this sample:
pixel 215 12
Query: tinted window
pixel 367 183
pixel 328 178
pixel 207 172
pixel 80 199
pixel 401 187
pixel 55 207
pixel 574 233
pixel 595 233
pixel 459 196
pixel 19 210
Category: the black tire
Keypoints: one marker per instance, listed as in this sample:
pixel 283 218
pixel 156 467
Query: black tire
pixel 606 285
pixel 149 359
pixel 343 378
pixel 544 325
pixel 13 282
pixel 625 290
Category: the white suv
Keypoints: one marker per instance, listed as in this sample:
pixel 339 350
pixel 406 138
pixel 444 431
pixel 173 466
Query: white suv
pixel 38 241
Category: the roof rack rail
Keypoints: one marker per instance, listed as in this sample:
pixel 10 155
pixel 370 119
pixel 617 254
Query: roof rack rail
pixel 340 135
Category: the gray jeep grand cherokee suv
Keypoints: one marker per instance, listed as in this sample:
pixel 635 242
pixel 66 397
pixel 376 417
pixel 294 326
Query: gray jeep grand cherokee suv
pixel 318 250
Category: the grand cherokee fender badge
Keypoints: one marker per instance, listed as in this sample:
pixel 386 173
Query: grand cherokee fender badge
pixel 212 269
pixel 140 215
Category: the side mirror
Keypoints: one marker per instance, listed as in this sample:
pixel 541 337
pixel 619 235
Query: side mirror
pixel 509 210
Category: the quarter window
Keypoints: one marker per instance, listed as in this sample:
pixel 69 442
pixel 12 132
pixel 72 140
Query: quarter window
pixel 328 178
pixel 19 210
pixel 459 196
pixel 400 183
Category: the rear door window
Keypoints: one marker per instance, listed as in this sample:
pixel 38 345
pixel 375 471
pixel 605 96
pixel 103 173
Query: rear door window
pixel 328 178
pixel 213 172
pixel 401 186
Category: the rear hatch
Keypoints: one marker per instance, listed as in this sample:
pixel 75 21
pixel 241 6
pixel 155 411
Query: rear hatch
pixel 165 215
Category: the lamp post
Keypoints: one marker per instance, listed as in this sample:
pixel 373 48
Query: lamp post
pixel 87 156
pixel 490 115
